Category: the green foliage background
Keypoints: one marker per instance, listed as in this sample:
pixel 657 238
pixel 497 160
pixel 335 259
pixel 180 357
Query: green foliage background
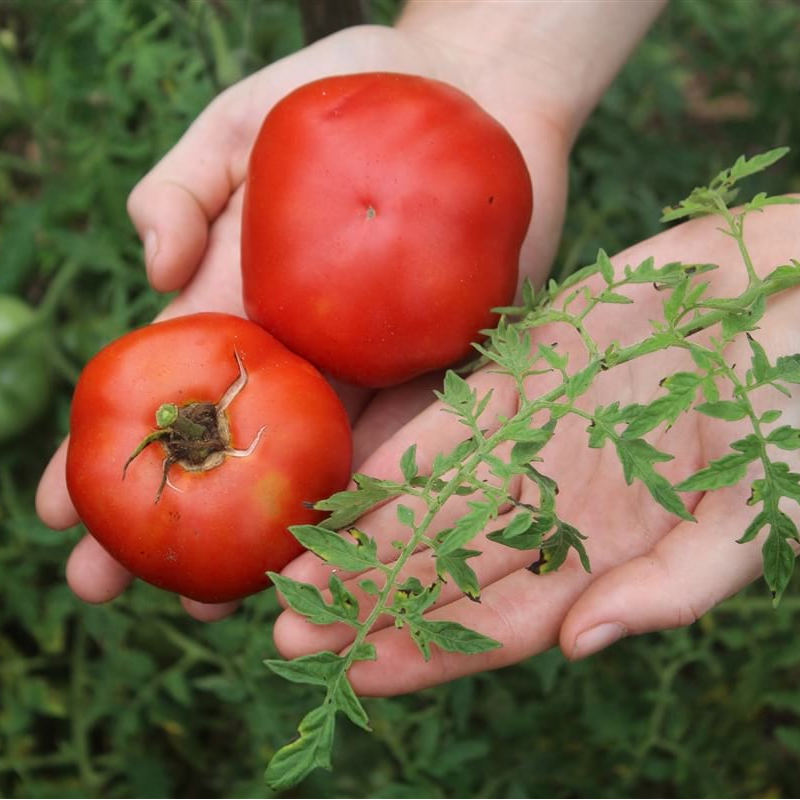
pixel 134 699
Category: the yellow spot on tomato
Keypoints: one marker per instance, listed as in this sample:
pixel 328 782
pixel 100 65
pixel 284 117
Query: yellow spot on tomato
pixel 322 307
pixel 274 492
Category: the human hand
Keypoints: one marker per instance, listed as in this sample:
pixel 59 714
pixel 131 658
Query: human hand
pixel 187 211
pixel 523 66
pixel 649 569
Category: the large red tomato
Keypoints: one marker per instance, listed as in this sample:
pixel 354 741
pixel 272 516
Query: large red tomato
pixel 248 436
pixel 383 219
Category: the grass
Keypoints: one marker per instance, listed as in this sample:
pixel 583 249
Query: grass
pixel 134 699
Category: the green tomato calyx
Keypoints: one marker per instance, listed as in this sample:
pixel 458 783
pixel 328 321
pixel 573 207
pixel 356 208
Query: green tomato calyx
pixel 196 436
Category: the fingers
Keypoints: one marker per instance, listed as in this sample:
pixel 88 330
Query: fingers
pixel 771 238
pixel 522 612
pixel 93 574
pixel 389 411
pixel 436 431
pixel 53 504
pixel 382 524
pixel 95 577
pixel 689 571
pixel 173 226
pixel 295 638
pixel 173 206
pixel 672 585
pixel 217 283
pixel 208 612
pixel 696 565
pixel 433 431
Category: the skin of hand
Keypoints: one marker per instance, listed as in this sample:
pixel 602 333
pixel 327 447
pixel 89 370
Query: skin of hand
pixel 650 570
pixel 187 210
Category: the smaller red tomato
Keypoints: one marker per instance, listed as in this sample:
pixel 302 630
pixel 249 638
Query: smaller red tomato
pixel 194 444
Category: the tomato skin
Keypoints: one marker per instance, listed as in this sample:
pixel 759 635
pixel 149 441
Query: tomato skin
pixel 383 219
pixel 212 535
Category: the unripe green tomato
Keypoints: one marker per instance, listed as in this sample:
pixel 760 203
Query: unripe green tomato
pixel 25 380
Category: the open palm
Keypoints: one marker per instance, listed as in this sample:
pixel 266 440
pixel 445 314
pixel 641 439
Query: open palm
pixel 650 570
pixel 187 211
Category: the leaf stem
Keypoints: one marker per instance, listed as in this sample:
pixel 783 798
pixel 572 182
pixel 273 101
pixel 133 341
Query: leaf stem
pixel 736 226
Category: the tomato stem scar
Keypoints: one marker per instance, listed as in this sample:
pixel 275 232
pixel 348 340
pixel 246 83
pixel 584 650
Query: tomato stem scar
pixel 196 435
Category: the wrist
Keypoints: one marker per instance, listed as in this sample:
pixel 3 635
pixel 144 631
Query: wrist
pixel 552 56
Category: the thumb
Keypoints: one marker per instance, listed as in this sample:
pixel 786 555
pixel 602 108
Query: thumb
pixel 694 567
pixel 173 206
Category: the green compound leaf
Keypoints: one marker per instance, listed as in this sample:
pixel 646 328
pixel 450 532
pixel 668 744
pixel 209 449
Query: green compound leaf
pixel 786 437
pixel 408 463
pixel 723 409
pixel 725 471
pixel 305 599
pixel 312 749
pixel 346 701
pixel 556 548
pixel 760 362
pixel 348 506
pixel 318 669
pixel 787 368
pixel 454 565
pixel 450 636
pixel 337 549
pixel 779 556
pixel 467 528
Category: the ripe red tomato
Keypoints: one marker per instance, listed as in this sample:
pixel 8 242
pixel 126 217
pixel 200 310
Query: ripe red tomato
pixel 383 219
pixel 250 434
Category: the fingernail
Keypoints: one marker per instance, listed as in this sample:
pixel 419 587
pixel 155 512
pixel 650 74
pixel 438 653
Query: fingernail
pixel 150 248
pixel 597 638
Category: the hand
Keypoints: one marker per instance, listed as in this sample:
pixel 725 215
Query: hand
pixel 649 570
pixel 187 212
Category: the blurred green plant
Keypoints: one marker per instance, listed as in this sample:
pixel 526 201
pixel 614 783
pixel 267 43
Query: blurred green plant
pixel 134 698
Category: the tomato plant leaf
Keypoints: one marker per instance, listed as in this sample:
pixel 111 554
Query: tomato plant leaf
pixel 341 599
pixel 442 463
pixel 524 452
pixel 412 599
pixel 787 368
pixel 548 488
pixel 754 528
pixel 605 418
pixel 312 749
pixel 450 636
pixel 455 565
pixel 674 303
pixel 637 457
pixel 723 409
pixel 750 445
pixel 681 391
pixel 318 668
pixel 348 506
pixel 725 471
pixel 499 467
pixel 555 548
pixel 605 266
pixel 744 167
pixel 786 437
pixel 528 539
pixel 701 356
pixel 346 701
pixel 759 362
pixel 457 394
pixel 779 557
pixel 364 651
pixel 521 430
pixel 614 297
pixel 369 586
pixel 520 524
pixel 737 322
pixel 305 599
pixel 405 516
pixel 408 463
pixel 555 359
pixel 580 382
pixel 779 482
pixel 336 548
pixel 466 528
